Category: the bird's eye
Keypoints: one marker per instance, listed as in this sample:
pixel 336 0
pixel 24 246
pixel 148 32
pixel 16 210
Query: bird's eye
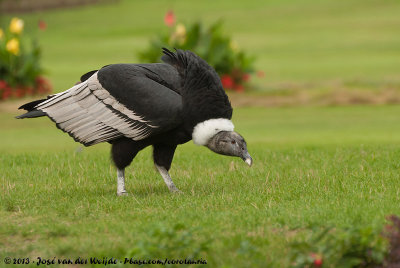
pixel 242 148
pixel 233 142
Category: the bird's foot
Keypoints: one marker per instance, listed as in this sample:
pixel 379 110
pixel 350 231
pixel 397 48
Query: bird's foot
pixel 175 190
pixel 122 193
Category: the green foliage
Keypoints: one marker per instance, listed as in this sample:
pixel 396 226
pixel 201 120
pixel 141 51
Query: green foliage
pixel 352 247
pixel 19 64
pixel 211 44
pixel 392 233
pixel 175 241
pixel 20 69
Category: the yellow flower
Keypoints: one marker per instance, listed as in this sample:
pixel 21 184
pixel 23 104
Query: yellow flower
pixel 16 25
pixel 12 46
pixel 180 30
pixel 1 33
pixel 179 34
pixel 234 46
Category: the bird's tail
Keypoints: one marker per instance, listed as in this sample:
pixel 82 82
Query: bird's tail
pixel 32 112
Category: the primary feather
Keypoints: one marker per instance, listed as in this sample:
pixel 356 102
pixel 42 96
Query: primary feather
pixel 121 100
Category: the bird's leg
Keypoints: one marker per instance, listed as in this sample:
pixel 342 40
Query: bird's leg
pixel 162 155
pixel 121 182
pixel 167 179
pixel 122 152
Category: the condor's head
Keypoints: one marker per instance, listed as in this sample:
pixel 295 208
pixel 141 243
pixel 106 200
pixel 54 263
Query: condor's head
pixel 219 137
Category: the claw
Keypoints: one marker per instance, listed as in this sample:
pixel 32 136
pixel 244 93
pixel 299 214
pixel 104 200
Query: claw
pixel 175 190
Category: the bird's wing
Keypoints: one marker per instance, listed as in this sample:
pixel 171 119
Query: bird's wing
pixel 117 101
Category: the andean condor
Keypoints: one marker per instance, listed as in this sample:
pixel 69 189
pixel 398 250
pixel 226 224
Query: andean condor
pixel 133 106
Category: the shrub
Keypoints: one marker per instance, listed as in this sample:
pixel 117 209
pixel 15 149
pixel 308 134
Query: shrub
pixel 232 64
pixel 354 247
pixel 20 69
pixel 392 233
pixel 175 242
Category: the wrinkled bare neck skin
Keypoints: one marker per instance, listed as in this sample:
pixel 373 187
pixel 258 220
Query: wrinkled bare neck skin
pixel 221 143
pixel 229 143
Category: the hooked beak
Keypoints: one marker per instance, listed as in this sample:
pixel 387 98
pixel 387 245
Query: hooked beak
pixel 247 158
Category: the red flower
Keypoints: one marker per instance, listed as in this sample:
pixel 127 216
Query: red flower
pixel 3 84
pixel 227 81
pixel 169 18
pixel 246 77
pixel 20 92
pixel 7 93
pixel 42 25
pixel 43 86
pixel 29 90
pixel 318 262
pixel 317 259
pixel 238 88
pixel 40 80
pixel 260 74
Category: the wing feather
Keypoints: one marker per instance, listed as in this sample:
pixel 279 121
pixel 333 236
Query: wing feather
pixel 90 114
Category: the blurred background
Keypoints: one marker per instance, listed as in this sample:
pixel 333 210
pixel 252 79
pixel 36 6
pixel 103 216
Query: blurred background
pixel 296 53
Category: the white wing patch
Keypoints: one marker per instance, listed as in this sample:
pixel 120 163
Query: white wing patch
pixel 91 115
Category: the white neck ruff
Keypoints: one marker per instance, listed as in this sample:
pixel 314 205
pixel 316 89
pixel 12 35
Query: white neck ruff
pixel 205 130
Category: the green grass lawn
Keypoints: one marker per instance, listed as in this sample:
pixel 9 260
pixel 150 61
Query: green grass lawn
pixel 334 167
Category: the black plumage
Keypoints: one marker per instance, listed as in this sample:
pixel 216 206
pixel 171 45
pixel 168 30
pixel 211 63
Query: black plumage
pixel 133 106
pixel 202 93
